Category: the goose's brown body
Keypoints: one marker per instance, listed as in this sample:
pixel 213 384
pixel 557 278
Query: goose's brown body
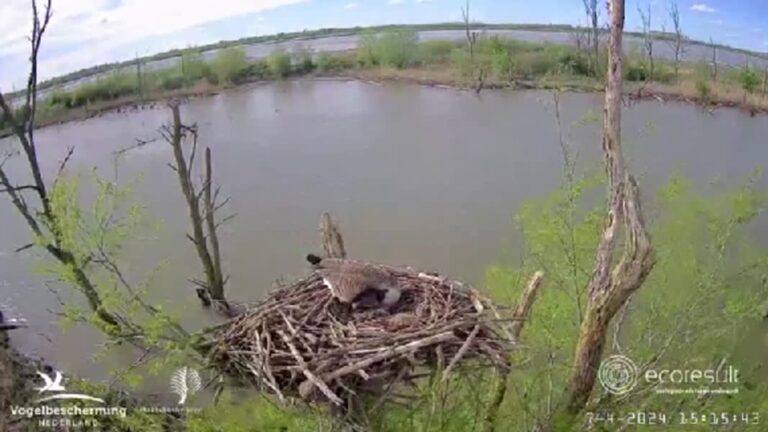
pixel 348 280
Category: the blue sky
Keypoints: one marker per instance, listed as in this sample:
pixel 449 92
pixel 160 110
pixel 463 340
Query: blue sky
pixel 88 32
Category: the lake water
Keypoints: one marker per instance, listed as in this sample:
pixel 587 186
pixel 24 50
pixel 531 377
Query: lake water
pixel 416 175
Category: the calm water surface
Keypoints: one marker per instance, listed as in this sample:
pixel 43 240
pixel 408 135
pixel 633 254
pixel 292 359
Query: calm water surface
pixel 416 175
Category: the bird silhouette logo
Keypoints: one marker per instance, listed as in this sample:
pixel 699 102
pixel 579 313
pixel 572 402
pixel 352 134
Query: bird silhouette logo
pixel 55 385
pixel 51 384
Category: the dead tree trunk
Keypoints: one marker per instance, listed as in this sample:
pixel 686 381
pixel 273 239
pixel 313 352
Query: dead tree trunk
pixel 333 243
pixel 714 59
pixel 470 35
pixel 677 43
pixel 201 214
pixel 591 10
pixel 610 285
pixel 646 20
pixel 478 71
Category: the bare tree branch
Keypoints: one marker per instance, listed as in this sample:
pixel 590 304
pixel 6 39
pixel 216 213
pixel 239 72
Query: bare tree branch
pixel 520 315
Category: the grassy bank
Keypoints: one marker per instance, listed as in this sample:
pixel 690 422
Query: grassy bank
pixel 398 55
pixel 326 32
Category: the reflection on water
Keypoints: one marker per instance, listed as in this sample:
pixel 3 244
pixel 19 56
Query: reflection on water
pixel 416 175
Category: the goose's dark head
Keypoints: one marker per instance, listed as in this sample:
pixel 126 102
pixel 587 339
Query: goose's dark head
pixel 314 259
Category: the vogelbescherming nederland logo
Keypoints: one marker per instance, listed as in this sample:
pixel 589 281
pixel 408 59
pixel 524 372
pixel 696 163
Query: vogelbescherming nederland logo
pixel 54 385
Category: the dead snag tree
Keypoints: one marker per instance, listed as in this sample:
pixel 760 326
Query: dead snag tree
pixel 646 20
pixel 676 44
pixel 333 243
pixel 592 12
pixel 478 70
pixel 610 285
pixel 202 204
pixel 714 58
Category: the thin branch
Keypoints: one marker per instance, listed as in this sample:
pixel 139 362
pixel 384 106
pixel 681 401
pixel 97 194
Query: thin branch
pixel 524 304
pixel 19 188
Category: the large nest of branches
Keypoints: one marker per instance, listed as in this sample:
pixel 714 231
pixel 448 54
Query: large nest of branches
pixel 302 342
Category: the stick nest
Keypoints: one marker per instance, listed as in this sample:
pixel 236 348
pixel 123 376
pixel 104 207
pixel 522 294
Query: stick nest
pixel 301 342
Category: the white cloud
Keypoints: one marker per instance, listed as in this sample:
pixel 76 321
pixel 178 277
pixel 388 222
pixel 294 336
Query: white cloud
pixel 423 1
pixel 702 7
pixel 351 5
pixel 84 32
pixel 396 2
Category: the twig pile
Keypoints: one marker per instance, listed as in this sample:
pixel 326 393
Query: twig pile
pixel 301 342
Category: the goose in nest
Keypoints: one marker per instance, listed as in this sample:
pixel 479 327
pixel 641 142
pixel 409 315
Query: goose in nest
pixel 355 282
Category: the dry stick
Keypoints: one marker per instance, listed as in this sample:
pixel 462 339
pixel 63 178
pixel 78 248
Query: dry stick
pixel 523 309
pixel 310 376
pixel 460 353
pixel 333 243
pixel 401 349
pixel 524 304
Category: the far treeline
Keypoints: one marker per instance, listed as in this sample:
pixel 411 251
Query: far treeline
pixel 332 31
pixel 481 61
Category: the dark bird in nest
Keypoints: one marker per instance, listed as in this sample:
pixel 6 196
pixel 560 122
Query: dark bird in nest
pixel 354 282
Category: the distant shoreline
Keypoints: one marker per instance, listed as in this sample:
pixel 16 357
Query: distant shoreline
pixel 414 77
pixel 338 32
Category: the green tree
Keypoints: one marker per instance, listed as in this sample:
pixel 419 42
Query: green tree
pixel 193 67
pixel 749 80
pixel 394 48
pixel 229 64
pixel 688 315
pixel 279 63
pixel 397 48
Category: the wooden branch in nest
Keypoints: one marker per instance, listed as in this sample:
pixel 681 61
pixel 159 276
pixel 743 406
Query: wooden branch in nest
pixel 399 350
pixel 311 378
pixel 459 354
pixel 293 342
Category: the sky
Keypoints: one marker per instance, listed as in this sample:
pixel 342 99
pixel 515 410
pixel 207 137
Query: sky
pixel 84 33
